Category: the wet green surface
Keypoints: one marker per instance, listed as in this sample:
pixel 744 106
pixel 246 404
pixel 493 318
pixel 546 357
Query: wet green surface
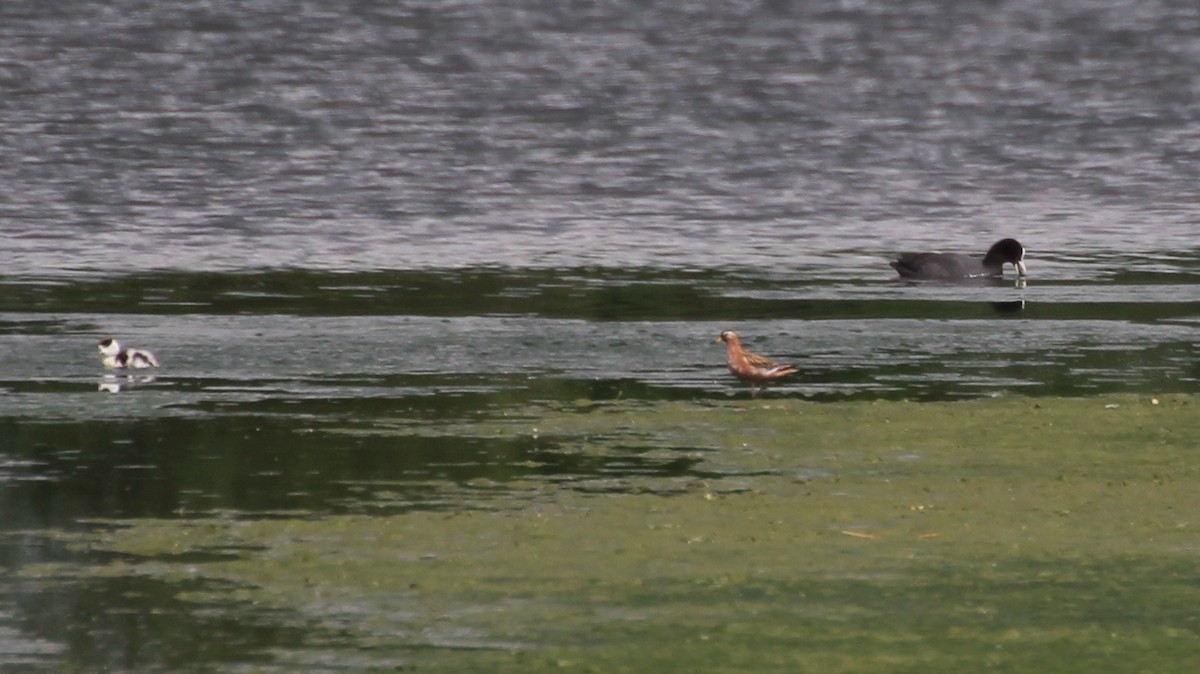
pixel 1012 534
pixel 551 470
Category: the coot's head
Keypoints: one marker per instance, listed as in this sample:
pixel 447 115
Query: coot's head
pixel 1004 251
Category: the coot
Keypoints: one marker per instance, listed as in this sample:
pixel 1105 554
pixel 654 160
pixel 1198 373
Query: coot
pixel 955 266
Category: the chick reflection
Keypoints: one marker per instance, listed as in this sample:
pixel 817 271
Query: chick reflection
pixel 112 383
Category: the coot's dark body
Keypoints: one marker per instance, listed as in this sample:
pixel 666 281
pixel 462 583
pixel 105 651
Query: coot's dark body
pixel 957 267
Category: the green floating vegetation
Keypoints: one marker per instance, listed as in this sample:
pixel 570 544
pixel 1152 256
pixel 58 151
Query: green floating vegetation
pixel 1047 535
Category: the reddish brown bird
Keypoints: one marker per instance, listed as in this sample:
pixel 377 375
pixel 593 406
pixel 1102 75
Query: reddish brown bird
pixel 751 367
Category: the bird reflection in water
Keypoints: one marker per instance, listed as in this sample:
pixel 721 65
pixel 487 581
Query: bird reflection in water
pixel 115 383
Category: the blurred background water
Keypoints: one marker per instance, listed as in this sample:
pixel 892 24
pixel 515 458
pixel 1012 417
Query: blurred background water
pixel 795 138
pixel 321 212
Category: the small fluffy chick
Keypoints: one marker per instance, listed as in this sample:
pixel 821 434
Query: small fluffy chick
pixel 116 358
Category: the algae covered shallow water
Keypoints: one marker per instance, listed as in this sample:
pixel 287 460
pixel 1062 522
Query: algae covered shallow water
pixel 772 534
pixel 538 470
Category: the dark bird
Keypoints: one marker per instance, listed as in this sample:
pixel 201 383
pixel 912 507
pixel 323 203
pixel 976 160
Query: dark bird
pixel 958 267
pixel 751 367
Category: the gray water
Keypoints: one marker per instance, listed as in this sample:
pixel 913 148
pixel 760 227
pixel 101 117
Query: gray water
pixel 795 139
pixel 320 212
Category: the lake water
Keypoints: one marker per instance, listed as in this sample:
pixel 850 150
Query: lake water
pixel 332 219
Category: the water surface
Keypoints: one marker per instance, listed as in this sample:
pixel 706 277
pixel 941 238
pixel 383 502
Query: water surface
pixel 384 249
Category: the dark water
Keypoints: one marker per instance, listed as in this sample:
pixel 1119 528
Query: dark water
pixel 334 214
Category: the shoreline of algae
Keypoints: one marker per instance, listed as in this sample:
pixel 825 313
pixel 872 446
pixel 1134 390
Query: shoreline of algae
pixel 1022 534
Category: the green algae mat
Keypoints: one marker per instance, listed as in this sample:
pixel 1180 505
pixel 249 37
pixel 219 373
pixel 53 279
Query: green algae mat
pixel 1010 534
